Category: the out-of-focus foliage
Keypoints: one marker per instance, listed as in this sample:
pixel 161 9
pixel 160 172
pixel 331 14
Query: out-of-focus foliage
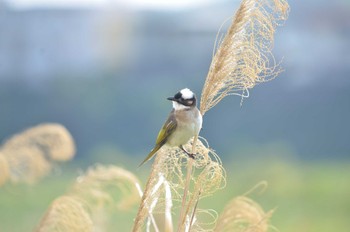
pixel 93 71
pixel 31 154
pixel 244 215
pixel 122 63
pixel 89 204
pixel 298 192
pixel 66 214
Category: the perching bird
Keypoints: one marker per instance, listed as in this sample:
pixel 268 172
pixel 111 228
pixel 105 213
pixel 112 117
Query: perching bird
pixel 184 122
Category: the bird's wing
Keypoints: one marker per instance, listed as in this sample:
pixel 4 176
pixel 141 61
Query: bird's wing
pixel 168 128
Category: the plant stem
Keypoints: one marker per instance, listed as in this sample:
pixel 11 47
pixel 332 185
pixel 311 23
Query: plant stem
pixel 183 211
pixel 143 208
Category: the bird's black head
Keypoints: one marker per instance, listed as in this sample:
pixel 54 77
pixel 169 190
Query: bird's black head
pixel 184 97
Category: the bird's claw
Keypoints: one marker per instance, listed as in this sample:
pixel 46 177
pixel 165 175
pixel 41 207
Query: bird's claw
pixel 191 155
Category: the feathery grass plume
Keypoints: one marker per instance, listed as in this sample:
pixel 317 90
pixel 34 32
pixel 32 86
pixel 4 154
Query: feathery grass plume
pixel 244 57
pixel 27 164
pixel 66 214
pixel 53 139
pixel 242 214
pixel 170 164
pixel 104 189
pixel 102 186
pixel 100 189
pixel 31 154
pixel 4 170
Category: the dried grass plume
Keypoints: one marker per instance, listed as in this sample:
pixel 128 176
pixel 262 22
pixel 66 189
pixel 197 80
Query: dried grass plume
pixel 4 170
pixel 53 139
pixel 31 154
pixel 102 186
pixel 242 214
pixel 89 201
pixel 244 57
pixel 169 168
pixel 66 214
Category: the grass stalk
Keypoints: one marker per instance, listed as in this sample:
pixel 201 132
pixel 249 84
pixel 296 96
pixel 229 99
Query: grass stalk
pixel 183 213
pixel 243 59
pixel 143 208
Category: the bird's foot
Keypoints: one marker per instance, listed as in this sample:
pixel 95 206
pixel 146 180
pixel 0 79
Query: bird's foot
pixel 191 155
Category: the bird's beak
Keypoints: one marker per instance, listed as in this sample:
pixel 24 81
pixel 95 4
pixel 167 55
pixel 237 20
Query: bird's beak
pixel 171 98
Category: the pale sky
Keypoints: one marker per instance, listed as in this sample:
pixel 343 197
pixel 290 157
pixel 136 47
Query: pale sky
pixel 144 4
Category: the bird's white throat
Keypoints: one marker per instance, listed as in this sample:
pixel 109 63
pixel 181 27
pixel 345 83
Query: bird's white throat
pixel 178 106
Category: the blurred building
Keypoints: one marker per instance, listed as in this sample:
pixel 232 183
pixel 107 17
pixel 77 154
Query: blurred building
pixel 126 53
pixel 41 43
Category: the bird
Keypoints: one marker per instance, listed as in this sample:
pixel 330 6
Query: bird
pixel 183 123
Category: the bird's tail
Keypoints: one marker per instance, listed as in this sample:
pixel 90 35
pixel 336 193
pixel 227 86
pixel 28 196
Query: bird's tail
pixel 151 154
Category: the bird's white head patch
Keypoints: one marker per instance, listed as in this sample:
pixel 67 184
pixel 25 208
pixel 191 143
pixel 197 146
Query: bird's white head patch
pixel 186 93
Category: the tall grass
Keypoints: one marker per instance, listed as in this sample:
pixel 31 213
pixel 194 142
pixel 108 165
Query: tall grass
pixel 31 154
pixel 176 184
pixel 243 214
pixel 242 60
pixel 169 169
pixel 243 56
pixel 86 204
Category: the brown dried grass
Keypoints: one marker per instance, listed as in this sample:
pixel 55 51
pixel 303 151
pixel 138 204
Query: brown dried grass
pixel 102 186
pixel 176 182
pixel 169 167
pixel 243 59
pixel 52 139
pixel 244 56
pixel 4 170
pixel 87 204
pixel 242 214
pixel 31 154
pixel 66 213
pixel 27 164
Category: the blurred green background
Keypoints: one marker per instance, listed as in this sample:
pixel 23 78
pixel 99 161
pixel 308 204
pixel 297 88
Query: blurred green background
pixel 103 69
